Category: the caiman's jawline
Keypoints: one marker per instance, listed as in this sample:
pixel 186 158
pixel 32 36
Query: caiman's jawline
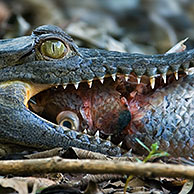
pixel 49 57
pixel 35 89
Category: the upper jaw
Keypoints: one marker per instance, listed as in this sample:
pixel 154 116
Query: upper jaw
pixel 86 65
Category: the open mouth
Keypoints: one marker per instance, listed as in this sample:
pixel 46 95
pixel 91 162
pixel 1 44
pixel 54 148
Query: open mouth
pixel 106 109
pixel 108 106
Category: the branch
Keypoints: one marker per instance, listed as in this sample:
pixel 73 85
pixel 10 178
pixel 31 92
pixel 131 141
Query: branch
pixel 57 164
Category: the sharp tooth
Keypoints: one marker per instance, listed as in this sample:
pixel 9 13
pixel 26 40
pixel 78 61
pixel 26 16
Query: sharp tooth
pixel 90 83
pixel 176 75
pixel 64 86
pixel 186 71
pixel 85 131
pixel 114 76
pixel 56 86
pixel 164 77
pixel 138 79
pixel 108 138
pixel 120 144
pixel 97 134
pixel 128 154
pixel 76 85
pixel 191 71
pixel 126 77
pixel 32 101
pixel 152 82
pixel 101 79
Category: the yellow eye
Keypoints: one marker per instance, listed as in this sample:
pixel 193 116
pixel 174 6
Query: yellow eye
pixel 68 119
pixel 53 49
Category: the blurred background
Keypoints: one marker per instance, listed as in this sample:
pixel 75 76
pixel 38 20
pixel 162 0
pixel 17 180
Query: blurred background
pixel 143 26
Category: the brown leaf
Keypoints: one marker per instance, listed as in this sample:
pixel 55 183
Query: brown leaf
pixel 21 185
pixel 187 187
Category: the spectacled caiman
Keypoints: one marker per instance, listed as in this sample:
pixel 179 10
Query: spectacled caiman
pixel 49 60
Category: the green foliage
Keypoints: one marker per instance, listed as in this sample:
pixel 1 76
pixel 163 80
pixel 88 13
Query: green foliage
pixel 153 152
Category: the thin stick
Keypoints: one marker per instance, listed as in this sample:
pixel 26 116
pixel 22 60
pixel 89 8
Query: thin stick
pixel 57 164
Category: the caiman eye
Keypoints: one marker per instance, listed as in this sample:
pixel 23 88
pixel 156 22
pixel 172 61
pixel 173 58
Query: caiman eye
pixel 53 49
pixel 68 119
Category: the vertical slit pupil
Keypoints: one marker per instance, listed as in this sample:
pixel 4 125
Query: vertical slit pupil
pixel 53 47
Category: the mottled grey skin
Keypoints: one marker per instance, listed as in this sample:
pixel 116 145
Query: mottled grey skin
pixel 19 61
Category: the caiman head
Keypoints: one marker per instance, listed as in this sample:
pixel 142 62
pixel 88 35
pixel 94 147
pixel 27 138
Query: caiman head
pixel 97 90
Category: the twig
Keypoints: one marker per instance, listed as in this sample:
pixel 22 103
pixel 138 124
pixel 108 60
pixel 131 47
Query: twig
pixel 57 164
pixel 45 154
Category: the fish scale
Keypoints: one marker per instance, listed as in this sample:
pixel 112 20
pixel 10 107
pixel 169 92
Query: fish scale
pixel 171 121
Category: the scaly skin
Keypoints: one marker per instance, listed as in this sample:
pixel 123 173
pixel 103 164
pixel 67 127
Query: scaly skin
pixel 168 119
pixel 25 72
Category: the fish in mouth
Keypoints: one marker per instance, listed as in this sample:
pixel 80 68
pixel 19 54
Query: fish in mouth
pixel 120 110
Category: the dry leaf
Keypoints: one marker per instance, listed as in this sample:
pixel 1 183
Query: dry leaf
pixel 187 187
pixel 21 185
